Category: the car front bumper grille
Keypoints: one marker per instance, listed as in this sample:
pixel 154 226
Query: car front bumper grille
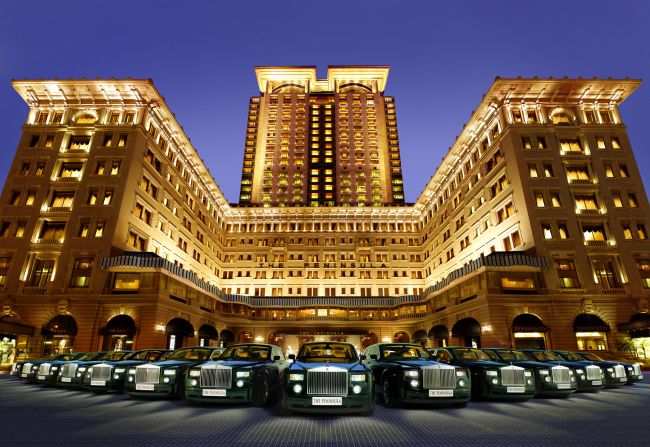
pixel 101 372
pixel 147 374
pixel 512 376
pixel 329 383
pixel 435 378
pixel 216 377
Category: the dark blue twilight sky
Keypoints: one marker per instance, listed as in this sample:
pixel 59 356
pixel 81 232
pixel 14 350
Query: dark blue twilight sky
pixel 443 57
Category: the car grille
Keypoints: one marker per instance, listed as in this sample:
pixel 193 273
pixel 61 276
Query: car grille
pixel 637 369
pixel 327 381
pixel 594 372
pixel 27 367
pixel 216 377
pixel 619 371
pixel 147 374
pixel 102 372
pixel 69 370
pixel 512 375
pixel 44 369
pixel 438 377
pixel 560 374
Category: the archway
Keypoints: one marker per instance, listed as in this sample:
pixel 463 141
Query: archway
pixel 245 337
pixel 118 333
pixel 591 332
pixel 178 330
pixel 207 333
pixel 401 337
pixel 277 339
pixel 439 334
pixel 226 338
pixel 421 337
pixel 59 335
pixel 367 339
pixel 468 332
pixel 529 332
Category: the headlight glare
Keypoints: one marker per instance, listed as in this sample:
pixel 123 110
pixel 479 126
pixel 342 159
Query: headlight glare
pixel 243 373
pixel 170 372
pixel 491 373
pixel 358 377
pixel 195 373
pixel 296 377
pixel 461 373
pixel 411 373
pixel 119 370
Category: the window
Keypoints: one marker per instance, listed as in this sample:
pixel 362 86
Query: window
pixel 92 197
pixel 21 226
pixel 101 166
pixel 99 229
pixel 570 145
pixel 539 200
pixel 115 168
pixel 49 141
pixel 541 143
pixel 644 271
pixel 623 171
pixel 52 231
pixel 555 200
pixel 505 212
pixel 563 231
pixel 561 119
pixel 41 273
pixel 136 241
pixel 34 140
pixel 618 201
pixel 79 143
pixel 31 196
pixel 108 197
pixel 577 173
pixel 567 273
pixel 126 281
pixel 532 170
pixel 4 228
pixel 600 142
pixel 546 231
pixel 142 213
pixel 609 170
pixel 62 199
pixel 548 171
pixel 634 203
pixel 108 139
pixel 606 274
pixel 627 231
pixel 5 262
pixel 586 202
pixel 512 241
pixel 526 143
pixel 594 232
pixel 24 168
pixel 616 143
pixel 71 170
pixel 84 228
pixel 14 198
pixel 40 167
pixel 81 272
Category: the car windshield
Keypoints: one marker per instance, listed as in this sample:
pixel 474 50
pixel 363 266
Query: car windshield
pixel 591 357
pixel 512 356
pixel 403 352
pixel 471 354
pixel 248 352
pixel 572 356
pixel 113 356
pixel 191 354
pixel 66 357
pixel 150 356
pixel 327 352
pixel 545 356
pixel 216 353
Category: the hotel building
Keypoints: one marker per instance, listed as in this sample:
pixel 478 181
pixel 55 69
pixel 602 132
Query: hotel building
pixel 533 231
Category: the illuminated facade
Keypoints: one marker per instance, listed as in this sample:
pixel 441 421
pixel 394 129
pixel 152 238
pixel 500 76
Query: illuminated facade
pixel 532 231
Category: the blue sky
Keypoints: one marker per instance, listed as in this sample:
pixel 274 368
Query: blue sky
pixel 443 57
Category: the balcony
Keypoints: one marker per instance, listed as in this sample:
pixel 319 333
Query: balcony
pixel 605 243
pixel 67 179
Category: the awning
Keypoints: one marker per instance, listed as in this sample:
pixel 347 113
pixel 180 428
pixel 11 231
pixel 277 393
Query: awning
pixel 12 326
pixel 638 326
pixel 179 326
pixel 209 332
pixel 60 325
pixel 439 332
pixel 467 327
pixel 119 325
pixel 528 323
pixel 420 336
pixel 590 323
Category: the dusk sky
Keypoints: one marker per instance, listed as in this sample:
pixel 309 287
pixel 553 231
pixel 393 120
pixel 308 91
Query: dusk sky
pixel 443 58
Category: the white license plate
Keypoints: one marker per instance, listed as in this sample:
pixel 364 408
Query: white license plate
pixel 213 392
pixel 441 393
pixel 327 401
pixel 23 375
pixel 41 377
pixel 640 376
pixel 144 387
pixel 97 383
pixel 66 379
pixel 623 379
pixel 563 386
pixel 596 382
pixel 516 389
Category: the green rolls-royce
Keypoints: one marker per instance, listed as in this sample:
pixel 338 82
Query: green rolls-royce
pixel 247 372
pixel 109 376
pixel 327 377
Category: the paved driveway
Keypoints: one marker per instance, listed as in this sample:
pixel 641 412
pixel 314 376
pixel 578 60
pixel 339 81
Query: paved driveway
pixel 33 415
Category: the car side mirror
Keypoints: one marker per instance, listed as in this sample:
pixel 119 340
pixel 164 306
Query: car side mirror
pixel 276 358
pixel 292 357
pixel 362 357
pixel 373 356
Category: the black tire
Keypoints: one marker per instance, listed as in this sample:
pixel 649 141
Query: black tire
pixel 262 392
pixel 388 394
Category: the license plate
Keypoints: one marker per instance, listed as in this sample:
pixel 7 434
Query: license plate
pixel 640 376
pixel 23 375
pixel 327 401
pixel 66 379
pixel 144 386
pixel 441 393
pixel 596 382
pixel 216 393
pixel 97 382
pixel 623 379
pixel 41 377
pixel 516 389
pixel 563 386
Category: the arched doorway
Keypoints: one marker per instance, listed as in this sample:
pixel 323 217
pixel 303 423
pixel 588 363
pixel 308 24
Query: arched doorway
pixel 59 335
pixel 439 334
pixel 591 332
pixel 245 337
pixel 226 338
pixel 118 333
pixel 421 337
pixel 367 339
pixel 401 337
pixel 207 333
pixel 529 332
pixel 178 330
pixel 468 332
pixel 276 339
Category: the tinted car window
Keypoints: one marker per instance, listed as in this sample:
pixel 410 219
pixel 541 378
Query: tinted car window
pixel 544 356
pixel 513 356
pixel 443 355
pixel 591 357
pixel 113 356
pixel 190 354
pixel 572 356
pixel 470 354
pixel 401 352
pixel 327 352
pixel 252 353
pixel 493 355
pixel 89 356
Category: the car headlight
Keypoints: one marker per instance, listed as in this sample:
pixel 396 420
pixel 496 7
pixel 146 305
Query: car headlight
pixel 580 371
pixel 610 370
pixel 528 374
pixel 243 374
pixel 358 377
pixel 544 372
pixel 169 372
pixel 54 368
pixel 119 370
pixel 629 368
pixel 82 369
pixel 195 373
pixel 297 377
pixel 461 373
pixel 491 373
pixel 411 373
pixel 131 371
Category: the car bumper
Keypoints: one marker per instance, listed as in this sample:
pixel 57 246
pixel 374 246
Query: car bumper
pixel 349 404
pixel 423 397
pixel 634 378
pixel 109 386
pixel 613 382
pixel 502 392
pixel 590 385
pixel 232 395
pixel 75 382
pixel 159 389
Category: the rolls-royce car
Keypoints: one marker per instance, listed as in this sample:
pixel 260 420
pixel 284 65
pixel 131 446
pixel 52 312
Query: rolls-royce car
pixel 490 379
pixel 614 373
pixel 246 372
pixel 550 380
pixel 109 376
pixel 612 368
pixel 48 372
pixel 167 377
pixel 408 373
pixel 588 377
pixel 73 373
pixel 30 370
pixel 327 377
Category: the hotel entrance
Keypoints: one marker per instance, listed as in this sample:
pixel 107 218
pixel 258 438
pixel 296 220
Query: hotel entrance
pixel 293 338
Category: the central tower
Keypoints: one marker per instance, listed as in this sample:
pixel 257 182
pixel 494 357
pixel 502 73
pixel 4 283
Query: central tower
pixel 322 142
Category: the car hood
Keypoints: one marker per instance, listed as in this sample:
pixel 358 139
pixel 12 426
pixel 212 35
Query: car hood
pixel 420 363
pixel 233 363
pixel 481 364
pixel 532 364
pixel 128 362
pixel 356 366
pixel 175 363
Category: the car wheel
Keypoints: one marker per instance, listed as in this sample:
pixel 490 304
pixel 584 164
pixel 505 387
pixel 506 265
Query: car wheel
pixel 262 392
pixel 388 394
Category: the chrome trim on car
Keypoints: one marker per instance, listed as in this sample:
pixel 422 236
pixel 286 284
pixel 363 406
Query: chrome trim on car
pixel 328 381
pixel 440 376
pixel 102 372
pixel 216 376
pixel 147 374
pixel 594 372
pixel 69 370
pixel 512 375
pixel 560 374
pixel 619 371
pixel 44 369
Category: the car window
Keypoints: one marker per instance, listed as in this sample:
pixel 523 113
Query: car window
pixel 216 354
pixel 190 354
pixel 590 357
pixel 251 353
pixel 327 352
pixel 443 355
pixel 470 354
pixel 89 356
pixel 402 352
pixel 511 356
pixel 572 356
pixel 545 356
pixel 113 356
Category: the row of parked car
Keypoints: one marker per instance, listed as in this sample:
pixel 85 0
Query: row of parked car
pixel 330 377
